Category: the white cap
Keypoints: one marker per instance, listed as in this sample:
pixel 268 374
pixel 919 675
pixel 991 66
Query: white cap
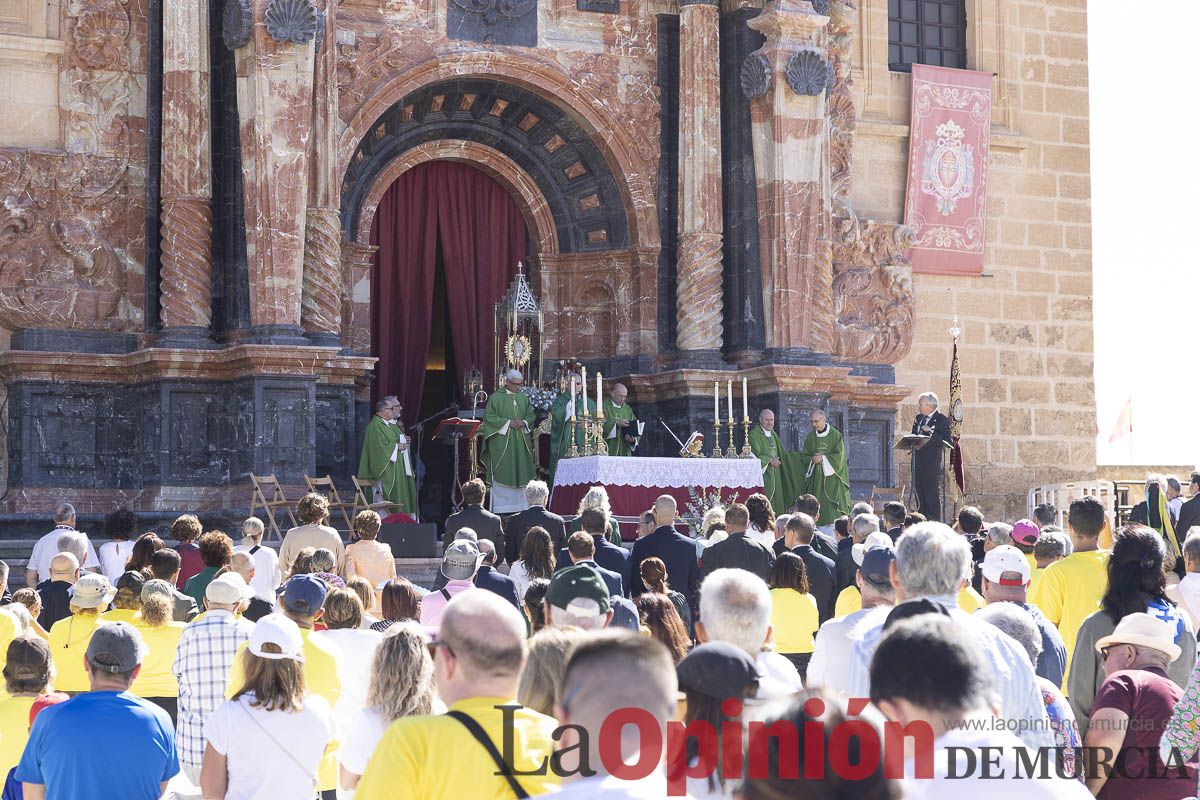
pixel 228 589
pixel 876 539
pixel 1006 558
pixel 280 631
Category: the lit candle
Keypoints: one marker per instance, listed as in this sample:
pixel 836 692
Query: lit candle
pixel 729 399
pixel 745 408
pixel 599 391
pixel 572 382
pixel 717 400
pixel 583 371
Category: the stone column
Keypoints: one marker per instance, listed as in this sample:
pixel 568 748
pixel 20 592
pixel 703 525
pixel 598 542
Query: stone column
pixel 186 273
pixel 274 47
pixel 321 302
pixel 788 79
pixel 699 300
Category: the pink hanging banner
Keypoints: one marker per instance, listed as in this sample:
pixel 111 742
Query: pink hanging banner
pixel 946 197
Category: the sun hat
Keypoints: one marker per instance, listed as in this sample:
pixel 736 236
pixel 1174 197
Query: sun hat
pixel 461 560
pixel 1142 630
pixel 92 591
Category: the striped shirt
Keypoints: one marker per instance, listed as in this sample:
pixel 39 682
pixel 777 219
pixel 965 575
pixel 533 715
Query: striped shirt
pixel 202 662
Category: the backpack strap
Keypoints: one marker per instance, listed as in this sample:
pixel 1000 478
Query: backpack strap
pixel 481 736
pixel 445 594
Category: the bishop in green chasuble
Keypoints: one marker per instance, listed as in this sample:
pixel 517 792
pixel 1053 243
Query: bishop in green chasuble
pixel 826 476
pixel 507 443
pixel 620 423
pixel 765 444
pixel 386 463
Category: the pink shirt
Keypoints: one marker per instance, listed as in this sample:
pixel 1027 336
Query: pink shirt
pixel 433 605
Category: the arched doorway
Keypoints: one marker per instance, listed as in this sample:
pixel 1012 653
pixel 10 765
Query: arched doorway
pixel 449 238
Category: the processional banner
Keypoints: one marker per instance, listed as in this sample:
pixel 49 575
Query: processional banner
pixel 945 200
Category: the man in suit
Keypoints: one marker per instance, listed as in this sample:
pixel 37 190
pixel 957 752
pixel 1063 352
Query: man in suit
pixel 1189 512
pixel 678 554
pixel 581 549
pixel 537 515
pixel 822 574
pixel 606 554
pixel 823 543
pixel 861 527
pixel 928 459
pixel 736 551
pixel 894 514
pixel 495 582
pixel 474 516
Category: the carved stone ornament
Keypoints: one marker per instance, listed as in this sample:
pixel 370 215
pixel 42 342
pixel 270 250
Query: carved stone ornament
pixel 808 73
pixel 493 11
pixel 292 21
pixel 236 23
pixel 755 75
pixel 820 6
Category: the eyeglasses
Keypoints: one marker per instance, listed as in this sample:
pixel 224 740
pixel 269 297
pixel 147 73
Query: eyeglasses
pixel 1104 651
pixel 434 645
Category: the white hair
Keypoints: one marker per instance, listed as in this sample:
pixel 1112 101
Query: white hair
pixel 735 606
pixel 536 493
pixel 864 525
pixel 22 618
pixel 64 512
pixel 466 533
pixel 1155 477
pixel 514 375
pixel 1000 533
pixel 1015 623
pixel 929 397
pixel 931 560
pixel 596 497
pixel 561 618
pixel 781 523
pixel 73 542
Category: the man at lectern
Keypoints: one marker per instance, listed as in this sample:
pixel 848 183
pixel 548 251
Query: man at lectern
pixel 928 461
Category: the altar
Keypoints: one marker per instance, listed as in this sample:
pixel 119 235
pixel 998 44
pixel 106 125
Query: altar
pixel 634 484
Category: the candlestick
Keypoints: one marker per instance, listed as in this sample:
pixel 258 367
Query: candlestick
pixel 573 450
pixel 745 408
pixel 746 451
pixel 716 400
pixel 731 452
pixel 729 401
pixel 716 451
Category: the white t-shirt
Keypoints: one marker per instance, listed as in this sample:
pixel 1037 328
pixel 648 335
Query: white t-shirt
pixel 113 556
pixel 358 648
pixel 267 576
pixel 47 548
pixel 774 666
pixel 359 739
pixel 255 761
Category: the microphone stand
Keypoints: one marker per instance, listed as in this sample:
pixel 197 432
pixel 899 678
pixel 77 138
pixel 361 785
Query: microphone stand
pixel 418 427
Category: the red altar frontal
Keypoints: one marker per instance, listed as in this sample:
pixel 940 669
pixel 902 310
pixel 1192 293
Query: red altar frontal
pixel 633 483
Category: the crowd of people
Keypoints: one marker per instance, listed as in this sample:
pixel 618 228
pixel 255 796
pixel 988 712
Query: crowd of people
pixel 549 658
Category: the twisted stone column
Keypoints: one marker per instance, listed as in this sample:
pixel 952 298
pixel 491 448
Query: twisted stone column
pixel 699 300
pixel 186 268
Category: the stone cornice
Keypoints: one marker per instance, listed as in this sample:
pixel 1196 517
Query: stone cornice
pixel 837 382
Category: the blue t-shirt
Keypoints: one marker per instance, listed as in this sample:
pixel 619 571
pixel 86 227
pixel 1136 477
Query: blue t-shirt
pixel 101 746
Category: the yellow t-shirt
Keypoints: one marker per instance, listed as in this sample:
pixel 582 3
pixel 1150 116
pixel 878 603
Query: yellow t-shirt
pixel 323 677
pixel 436 758
pixel 8 631
pixel 969 600
pixel 1032 561
pixel 156 678
pixel 14 730
pixel 1034 577
pixel 795 618
pixel 121 615
pixel 1069 591
pixel 69 640
pixel 848 601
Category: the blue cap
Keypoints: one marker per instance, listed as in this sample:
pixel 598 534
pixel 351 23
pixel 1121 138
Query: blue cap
pixel 875 566
pixel 304 594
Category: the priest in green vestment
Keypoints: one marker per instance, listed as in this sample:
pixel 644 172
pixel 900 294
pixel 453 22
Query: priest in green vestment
pixel 560 422
pixel 386 463
pixel 508 444
pixel 827 476
pixel 620 423
pixel 765 444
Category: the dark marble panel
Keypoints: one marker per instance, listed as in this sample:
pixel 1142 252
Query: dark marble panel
pixel 154 77
pixel 510 22
pixel 599 6
pixel 668 177
pixel 55 340
pixel 337 445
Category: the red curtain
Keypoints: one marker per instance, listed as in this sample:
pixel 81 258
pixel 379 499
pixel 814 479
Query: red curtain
pixel 479 230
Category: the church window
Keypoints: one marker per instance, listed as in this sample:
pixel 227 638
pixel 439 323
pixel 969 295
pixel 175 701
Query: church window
pixel 930 32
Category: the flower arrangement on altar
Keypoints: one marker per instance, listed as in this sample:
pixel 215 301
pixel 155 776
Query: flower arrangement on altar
pixel 542 400
pixel 701 503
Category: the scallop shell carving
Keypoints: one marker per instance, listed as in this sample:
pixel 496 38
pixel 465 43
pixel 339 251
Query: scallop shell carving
pixel 755 75
pixel 292 21
pixel 808 72
pixel 236 23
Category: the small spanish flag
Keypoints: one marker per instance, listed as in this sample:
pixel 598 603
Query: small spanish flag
pixel 1124 424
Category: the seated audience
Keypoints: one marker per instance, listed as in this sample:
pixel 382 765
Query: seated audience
pixel 187 530
pixel 113 554
pixel 313 513
pixel 399 601
pixel 536 559
pixel 216 549
pixel 267 575
pixel 69 637
pixel 368 557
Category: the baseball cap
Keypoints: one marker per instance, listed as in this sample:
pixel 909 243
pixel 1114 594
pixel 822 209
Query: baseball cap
pixel 717 669
pixel 157 586
pixel 92 591
pixel 228 589
pixel 1025 532
pixel 28 659
pixel 876 539
pixel 460 560
pixel 280 631
pixel 1006 558
pixel 44 701
pixel 913 608
pixel 304 594
pixel 133 581
pixel 579 590
pixel 876 566
pixel 1145 631
pixel 116 647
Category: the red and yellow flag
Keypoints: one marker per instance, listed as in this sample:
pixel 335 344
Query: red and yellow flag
pixel 1124 424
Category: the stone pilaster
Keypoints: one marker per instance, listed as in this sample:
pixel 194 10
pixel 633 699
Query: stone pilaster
pixel 275 92
pixel 321 303
pixel 788 79
pixel 186 272
pixel 699 300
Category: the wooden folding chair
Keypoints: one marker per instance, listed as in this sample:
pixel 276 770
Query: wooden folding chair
pixel 361 503
pixel 264 485
pixel 326 487
pixel 885 494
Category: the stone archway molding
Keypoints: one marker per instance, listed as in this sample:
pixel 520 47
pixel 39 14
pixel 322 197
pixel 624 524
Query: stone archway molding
pixel 538 217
